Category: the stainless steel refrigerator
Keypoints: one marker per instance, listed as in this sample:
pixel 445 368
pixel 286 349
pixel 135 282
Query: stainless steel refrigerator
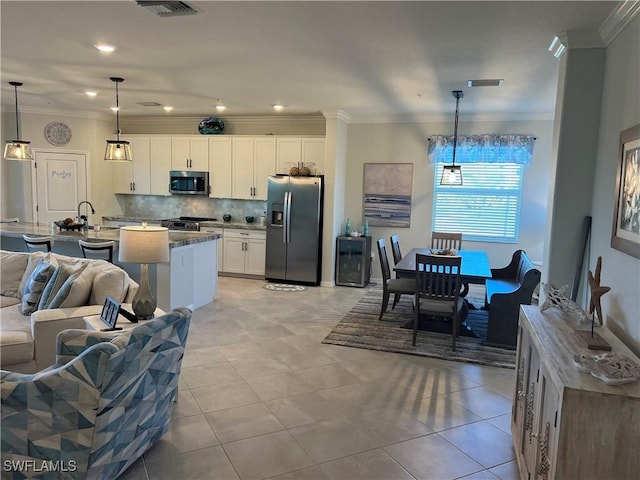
pixel 294 229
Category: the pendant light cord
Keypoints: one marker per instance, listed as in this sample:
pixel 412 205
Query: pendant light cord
pixel 15 89
pixel 117 114
pixel 457 94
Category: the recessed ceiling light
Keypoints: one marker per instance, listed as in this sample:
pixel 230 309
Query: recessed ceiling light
pixel 278 107
pixel 90 93
pixel 487 82
pixel 167 108
pixel 105 47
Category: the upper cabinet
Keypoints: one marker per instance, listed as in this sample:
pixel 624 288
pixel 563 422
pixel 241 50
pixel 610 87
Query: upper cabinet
pixel 134 177
pixel 294 150
pixel 190 153
pixel 160 165
pixel 253 160
pixel 220 166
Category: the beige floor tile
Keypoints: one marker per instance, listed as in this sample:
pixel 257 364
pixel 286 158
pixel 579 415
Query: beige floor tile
pixel 243 422
pixel 309 473
pixel 486 444
pixel 228 395
pixel 137 471
pixel 297 360
pixel 482 401
pixel 241 351
pixel 503 422
pixel 389 425
pixel 279 386
pixel 440 412
pixel 308 408
pixel 371 465
pixel 432 457
pixel 186 404
pixel 483 475
pixel 209 375
pixel 185 434
pixel 332 439
pixel 195 357
pixel 267 455
pixel 259 367
pixel 506 471
pixel 327 376
pixel 209 463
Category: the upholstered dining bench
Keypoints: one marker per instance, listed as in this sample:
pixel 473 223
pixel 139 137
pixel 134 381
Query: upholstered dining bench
pixel 507 289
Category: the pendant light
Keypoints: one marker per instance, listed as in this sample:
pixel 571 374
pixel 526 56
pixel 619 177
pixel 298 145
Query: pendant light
pixel 452 174
pixel 17 149
pixel 117 150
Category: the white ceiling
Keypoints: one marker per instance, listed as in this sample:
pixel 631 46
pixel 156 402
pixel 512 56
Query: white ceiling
pixel 370 59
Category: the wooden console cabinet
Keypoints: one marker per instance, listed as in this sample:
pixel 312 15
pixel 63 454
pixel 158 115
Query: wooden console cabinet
pixel 567 424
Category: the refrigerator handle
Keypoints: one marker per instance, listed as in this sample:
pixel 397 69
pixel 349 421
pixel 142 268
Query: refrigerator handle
pixel 287 216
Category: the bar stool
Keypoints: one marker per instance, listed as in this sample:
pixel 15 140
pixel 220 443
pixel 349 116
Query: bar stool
pixel 38 243
pixel 94 247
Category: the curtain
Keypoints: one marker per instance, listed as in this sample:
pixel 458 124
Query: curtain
pixel 486 148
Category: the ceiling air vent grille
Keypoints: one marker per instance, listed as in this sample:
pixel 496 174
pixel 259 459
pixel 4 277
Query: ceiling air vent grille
pixel 149 104
pixel 166 8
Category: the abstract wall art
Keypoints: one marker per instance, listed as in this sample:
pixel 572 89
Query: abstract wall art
pixel 387 194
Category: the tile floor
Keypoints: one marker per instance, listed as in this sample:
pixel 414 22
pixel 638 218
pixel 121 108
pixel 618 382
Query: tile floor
pixel 261 397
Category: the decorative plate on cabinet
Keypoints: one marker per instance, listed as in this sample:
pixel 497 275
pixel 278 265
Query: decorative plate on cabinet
pixel 57 133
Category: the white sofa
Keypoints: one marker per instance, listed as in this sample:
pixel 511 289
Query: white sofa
pixel 78 289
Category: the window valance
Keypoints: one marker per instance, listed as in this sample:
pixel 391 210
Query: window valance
pixel 487 148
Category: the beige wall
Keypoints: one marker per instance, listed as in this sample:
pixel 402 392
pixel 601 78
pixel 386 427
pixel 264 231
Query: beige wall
pixel 407 143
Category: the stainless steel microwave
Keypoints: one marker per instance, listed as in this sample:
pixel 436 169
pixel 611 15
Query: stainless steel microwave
pixel 188 182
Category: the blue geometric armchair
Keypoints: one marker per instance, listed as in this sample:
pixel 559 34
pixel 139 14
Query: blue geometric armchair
pixel 107 400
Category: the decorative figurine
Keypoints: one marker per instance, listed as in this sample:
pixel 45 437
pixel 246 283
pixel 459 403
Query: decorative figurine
pixel 556 297
pixel 597 291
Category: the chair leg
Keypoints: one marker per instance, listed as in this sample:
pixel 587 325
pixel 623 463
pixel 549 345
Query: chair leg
pixel 416 319
pixel 385 302
pixel 396 299
pixel 454 328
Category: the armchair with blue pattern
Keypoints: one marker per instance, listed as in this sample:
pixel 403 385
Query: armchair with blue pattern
pixel 105 402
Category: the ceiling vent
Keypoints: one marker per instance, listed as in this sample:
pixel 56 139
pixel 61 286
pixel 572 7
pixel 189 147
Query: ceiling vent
pixel 166 8
pixel 149 104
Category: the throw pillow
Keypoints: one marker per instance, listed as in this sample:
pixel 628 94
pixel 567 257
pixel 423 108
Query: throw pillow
pixel 110 281
pixel 59 286
pixel 13 266
pixel 79 289
pixel 34 258
pixel 34 287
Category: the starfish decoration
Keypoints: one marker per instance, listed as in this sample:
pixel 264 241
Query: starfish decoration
pixel 597 291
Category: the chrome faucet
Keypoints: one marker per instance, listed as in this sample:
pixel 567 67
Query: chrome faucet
pixel 84 220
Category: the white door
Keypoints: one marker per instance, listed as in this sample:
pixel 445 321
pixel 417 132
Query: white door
pixel 61 183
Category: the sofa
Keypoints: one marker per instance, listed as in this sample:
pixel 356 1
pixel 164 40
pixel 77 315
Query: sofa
pixel 42 294
pixel 114 394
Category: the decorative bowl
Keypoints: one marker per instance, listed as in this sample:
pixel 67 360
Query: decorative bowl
pixel 249 219
pixel 211 126
pixel 226 217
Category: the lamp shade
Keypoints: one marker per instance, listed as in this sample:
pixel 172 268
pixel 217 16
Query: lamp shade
pixel 118 151
pixel 451 175
pixel 18 150
pixel 144 244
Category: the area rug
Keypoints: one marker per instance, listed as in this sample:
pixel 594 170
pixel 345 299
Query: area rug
pixel 283 287
pixel 361 328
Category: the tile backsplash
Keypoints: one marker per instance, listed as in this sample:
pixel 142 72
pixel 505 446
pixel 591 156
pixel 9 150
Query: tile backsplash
pixel 154 206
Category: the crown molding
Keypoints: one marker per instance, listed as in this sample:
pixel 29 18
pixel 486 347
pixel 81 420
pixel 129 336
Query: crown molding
pixel 337 115
pixel 236 120
pixel 618 19
pixel 446 118
pixel 64 113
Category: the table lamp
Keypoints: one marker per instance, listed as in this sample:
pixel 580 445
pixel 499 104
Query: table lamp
pixel 144 245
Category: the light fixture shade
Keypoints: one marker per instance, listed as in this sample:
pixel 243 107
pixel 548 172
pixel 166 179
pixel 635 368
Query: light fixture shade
pixel 144 244
pixel 451 175
pixel 118 151
pixel 18 150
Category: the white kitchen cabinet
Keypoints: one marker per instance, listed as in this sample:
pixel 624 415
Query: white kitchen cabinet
pixel 244 251
pixel 254 159
pixel 220 167
pixel 160 165
pixel 568 424
pixel 293 150
pixel 134 177
pixel 220 242
pixel 190 153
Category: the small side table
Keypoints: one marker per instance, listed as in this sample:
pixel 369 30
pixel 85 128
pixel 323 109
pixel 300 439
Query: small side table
pixel 93 322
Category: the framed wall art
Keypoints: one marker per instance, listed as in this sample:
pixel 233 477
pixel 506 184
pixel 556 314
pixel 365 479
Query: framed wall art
pixel 387 194
pixel 625 232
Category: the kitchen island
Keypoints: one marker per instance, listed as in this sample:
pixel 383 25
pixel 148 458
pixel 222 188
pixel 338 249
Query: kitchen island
pixel 190 278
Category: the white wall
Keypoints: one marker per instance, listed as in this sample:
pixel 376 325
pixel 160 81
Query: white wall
pixel 407 143
pixel 620 110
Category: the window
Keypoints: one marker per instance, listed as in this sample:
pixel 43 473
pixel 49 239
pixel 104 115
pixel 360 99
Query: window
pixel 485 208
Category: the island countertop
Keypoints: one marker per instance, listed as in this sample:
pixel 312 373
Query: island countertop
pixel 205 224
pixel 176 238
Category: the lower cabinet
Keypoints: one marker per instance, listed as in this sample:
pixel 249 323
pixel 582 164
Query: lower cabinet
pixel 567 424
pixel 244 251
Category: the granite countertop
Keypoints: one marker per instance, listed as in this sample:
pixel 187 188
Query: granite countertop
pixel 216 224
pixel 176 238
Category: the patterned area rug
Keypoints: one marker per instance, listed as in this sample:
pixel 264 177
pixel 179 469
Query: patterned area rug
pixel 283 287
pixel 361 328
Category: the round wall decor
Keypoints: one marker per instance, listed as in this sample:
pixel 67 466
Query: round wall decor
pixel 57 133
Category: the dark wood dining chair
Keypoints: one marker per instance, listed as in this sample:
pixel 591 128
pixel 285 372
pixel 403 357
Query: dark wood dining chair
pixel 93 248
pixel 397 256
pixel 437 290
pixel 391 285
pixel 446 240
pixel 38 243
